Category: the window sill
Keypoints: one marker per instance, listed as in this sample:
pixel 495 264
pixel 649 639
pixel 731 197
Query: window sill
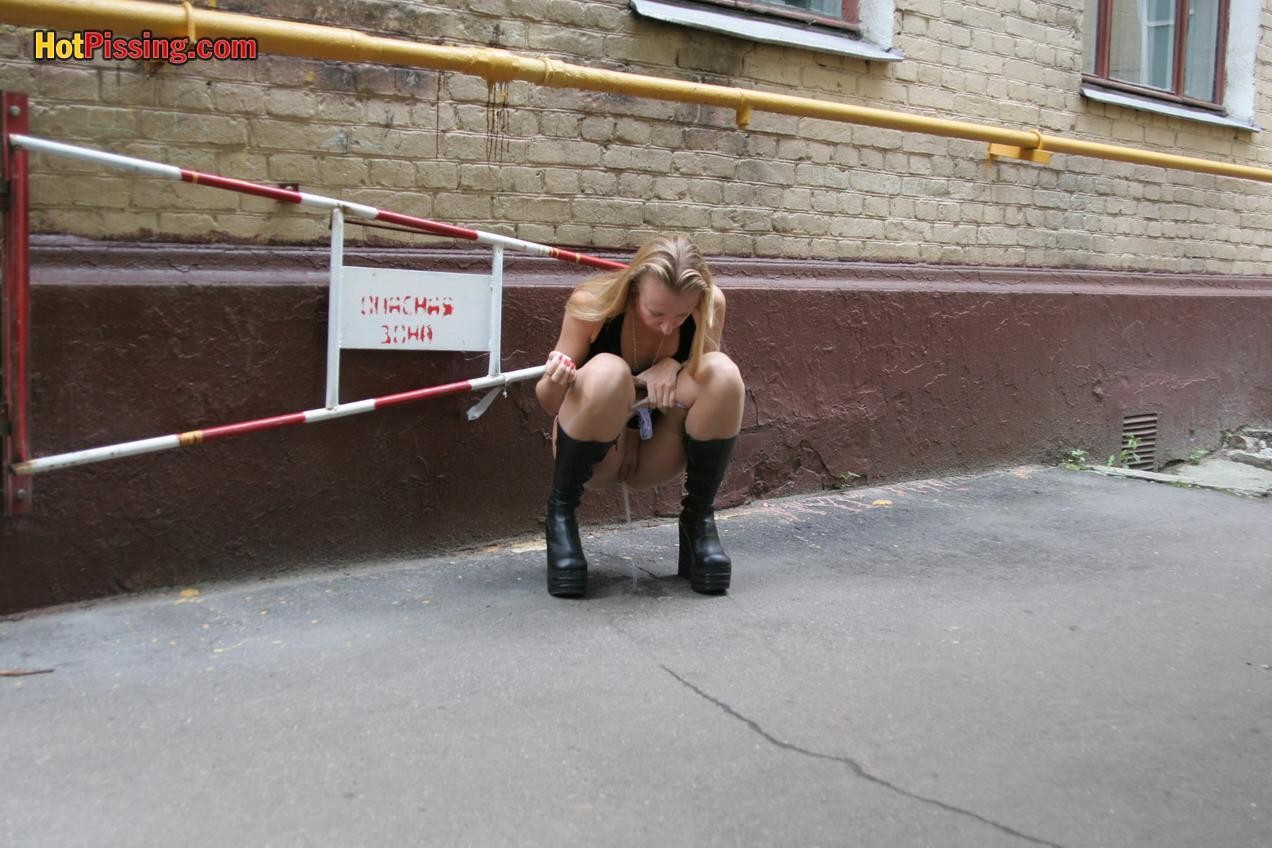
pixel 745 26
pixel 1146 104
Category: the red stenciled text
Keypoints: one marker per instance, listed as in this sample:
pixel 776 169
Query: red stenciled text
pixel 406 304
pixel 396 334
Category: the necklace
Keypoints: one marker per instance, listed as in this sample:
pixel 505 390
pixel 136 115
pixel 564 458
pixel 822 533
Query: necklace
pixel 657 353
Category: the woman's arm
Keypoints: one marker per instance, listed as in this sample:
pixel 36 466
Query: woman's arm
pixel 713 339
pixel 573 342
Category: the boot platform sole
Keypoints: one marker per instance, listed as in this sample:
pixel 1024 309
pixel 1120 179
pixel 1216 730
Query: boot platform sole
pixel 570 583
pixel 707 578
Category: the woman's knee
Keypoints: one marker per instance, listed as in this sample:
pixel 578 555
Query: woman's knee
pixel 605 379
pixel 718 377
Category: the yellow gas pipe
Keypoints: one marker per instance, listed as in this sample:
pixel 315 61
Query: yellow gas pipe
pixel 322 42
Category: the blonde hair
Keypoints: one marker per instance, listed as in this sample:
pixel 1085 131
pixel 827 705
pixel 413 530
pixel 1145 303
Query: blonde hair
pixel 676 262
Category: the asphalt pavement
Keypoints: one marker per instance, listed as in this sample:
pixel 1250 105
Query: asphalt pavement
pixel 1030 656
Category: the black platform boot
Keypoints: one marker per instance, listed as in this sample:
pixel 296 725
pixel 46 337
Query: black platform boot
pixel 567 567
pixel 702 559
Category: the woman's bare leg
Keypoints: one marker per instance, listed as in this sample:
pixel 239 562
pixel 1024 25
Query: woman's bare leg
pixel 591 417
pixel 596 409
pixel 714 397
pixel 700 441
pixel 598 404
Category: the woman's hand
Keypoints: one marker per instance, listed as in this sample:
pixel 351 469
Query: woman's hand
pixel 660 383
pixel 560 369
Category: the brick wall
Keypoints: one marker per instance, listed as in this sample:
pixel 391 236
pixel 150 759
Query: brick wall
pixel 604 171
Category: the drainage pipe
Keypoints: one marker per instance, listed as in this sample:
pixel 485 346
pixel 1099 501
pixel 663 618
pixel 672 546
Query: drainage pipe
pixel 496 66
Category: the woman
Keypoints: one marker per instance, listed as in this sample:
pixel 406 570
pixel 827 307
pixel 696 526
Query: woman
pixel 653 328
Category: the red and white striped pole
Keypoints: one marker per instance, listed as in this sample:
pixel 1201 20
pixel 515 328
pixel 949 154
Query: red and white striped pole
pixel 29 467
pixel 301 198
pixel 311 416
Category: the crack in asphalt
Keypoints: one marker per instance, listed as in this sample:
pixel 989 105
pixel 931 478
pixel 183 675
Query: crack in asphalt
pixel 855 767
pixel 647 571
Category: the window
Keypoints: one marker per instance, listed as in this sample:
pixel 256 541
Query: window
pixel 841 27
pixel 1166 49
pixel 841 14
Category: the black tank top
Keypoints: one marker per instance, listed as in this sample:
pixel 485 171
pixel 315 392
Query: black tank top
pixel 610 339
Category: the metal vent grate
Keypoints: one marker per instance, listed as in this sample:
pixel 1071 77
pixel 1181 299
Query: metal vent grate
pixel 1143 429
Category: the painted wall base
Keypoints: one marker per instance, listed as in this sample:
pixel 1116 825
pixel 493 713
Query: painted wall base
pixel 855 372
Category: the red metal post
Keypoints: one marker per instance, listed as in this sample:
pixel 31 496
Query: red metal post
pixel 15 307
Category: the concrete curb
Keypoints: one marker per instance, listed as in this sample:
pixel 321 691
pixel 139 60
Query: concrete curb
pixel 1154 477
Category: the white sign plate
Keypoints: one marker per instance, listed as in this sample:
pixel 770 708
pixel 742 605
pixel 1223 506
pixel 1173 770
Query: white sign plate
pixel 396 309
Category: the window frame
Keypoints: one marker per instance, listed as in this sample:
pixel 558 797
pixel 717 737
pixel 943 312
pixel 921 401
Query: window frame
pixel 1104 35
pixel 851 20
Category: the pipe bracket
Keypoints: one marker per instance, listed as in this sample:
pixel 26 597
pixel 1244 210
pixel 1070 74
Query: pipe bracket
pixel 189 10
pixel 1034 154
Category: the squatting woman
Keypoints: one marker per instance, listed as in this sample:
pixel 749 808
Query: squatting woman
pixel 651 330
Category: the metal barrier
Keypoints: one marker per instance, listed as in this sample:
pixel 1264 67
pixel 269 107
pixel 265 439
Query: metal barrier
pixel 473 301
